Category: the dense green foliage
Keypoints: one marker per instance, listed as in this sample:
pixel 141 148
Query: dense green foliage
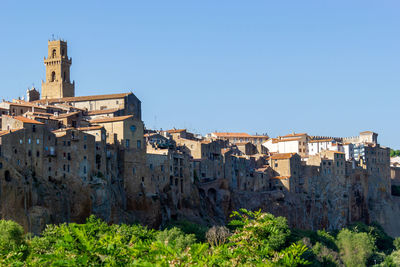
pixel 250 239
pixel 394 153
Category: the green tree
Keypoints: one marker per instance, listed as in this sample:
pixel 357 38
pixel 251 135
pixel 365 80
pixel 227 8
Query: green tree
pixel 355 248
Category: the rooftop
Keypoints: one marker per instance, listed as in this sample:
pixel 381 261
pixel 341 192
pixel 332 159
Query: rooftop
pixel 282 155
pixel 114 119
pixel 26 120
pixel 281 177
pixel 176 130
pixel 294 134
pixel 83 98
pixel 240 135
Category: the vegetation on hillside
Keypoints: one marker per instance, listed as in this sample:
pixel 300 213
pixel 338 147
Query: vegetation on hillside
pixel 394 153
pixel 250 239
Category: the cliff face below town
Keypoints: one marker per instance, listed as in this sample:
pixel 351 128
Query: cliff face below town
pixel 327 204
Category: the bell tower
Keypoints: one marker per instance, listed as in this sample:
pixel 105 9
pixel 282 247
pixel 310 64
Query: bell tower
pixel 58 83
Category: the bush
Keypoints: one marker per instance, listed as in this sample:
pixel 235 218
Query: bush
pixel 355 248
pixel 12 245
pixel 11 236
pixel 396 243
pixel 217 235
pixel 190 228
pixel 176 238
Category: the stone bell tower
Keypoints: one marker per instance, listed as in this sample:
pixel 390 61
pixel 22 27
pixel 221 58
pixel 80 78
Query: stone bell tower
pixel 58 83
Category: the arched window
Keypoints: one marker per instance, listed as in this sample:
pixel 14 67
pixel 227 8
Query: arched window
pixel 7 176
pixel 53 76
pixel 65 76
pixel 62 52
pixel 54 53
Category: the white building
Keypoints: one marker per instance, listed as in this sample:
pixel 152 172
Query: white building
pixel 291 143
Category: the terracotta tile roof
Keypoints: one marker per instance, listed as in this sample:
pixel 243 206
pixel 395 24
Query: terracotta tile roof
pixel 114 119
pixel 237 135
pixel 366 132
pixel 176 130
pixel 282 155
pixel 232 135
pixel 90 128
pixel 9 131
pixel 281 177
pixel 27 120
pixel 83 98
pixel 294 134
pixel 288 139
pixel 104 111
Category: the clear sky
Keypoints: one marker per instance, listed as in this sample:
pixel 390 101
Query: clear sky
pixel 321 67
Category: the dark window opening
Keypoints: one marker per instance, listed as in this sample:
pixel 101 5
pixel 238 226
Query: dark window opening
pixel 7 176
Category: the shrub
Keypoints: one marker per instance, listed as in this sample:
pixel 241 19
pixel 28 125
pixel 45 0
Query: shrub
pixel 355 248
pixel 11 236
pixel 217 235
pixel 190 228
pixel 176 238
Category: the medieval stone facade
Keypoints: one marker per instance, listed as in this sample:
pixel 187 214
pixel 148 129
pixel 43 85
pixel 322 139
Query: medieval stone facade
pixel 64 157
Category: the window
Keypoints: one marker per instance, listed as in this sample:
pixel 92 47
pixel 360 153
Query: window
pixel 54 53
pixel 37 153
pixel 133 171
pixel 85 137
pixel 139 144
pixel 84 146
pixel 53 76
pixel 37 141
pixel 69 156
pixel 33 128
pixel 20 141
pixel 127 143
pixel 151 166
pixel 84 169
pixel 133 128
pixel 29 141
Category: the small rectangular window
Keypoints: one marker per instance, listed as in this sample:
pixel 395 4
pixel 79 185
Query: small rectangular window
pixel 127 143
pixel 139 144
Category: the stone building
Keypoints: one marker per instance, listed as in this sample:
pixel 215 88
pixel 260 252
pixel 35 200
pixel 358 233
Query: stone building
pixel 287 167
pixel 235 138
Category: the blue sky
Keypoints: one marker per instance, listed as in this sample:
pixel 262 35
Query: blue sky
pixel 321 67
